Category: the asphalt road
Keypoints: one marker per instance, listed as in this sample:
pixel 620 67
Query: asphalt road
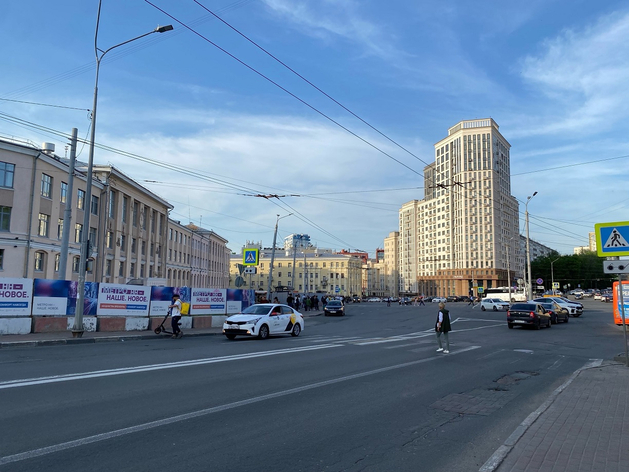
pixel 364 392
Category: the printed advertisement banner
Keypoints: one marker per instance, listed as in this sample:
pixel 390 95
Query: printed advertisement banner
pixel 208 301
pixel 162 298
pixel 238 300
pixel 58 298
pixel 123 300
pixel 15 297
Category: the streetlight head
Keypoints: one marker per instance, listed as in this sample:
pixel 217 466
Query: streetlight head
pixel 535 193
pixel 163 29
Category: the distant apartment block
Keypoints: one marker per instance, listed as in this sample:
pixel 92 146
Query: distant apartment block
pixel 464 232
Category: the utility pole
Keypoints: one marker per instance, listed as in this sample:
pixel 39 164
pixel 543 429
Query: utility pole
pixel 305 273
pixel 273 256
pixel 272 260
pixel 67 213
pixel 552 275
pixel 528 248
pixel 292 284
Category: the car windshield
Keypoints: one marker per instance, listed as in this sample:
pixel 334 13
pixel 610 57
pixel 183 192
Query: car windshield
pixel 523 306
pixel 334 303
pixel 548 306
pixel 257 310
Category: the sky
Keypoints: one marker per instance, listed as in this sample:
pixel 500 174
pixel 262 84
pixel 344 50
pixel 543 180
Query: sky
pixel 213 120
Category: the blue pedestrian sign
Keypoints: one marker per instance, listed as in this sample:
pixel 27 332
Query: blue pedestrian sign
pixel 250 257
pixel 612 239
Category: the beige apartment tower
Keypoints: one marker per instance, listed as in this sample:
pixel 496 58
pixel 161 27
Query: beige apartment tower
pixel 464 232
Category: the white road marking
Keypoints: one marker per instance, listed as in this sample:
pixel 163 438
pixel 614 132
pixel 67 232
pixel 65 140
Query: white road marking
pixel 153 367
pixel 208 411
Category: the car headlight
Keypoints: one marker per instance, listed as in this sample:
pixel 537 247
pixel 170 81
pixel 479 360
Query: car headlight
pixel 254 321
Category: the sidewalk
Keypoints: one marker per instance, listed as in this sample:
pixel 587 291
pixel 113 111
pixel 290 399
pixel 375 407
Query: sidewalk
pixel 584 426
pixel 65 337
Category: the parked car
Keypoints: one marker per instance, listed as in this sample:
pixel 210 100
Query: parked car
pixel 494 304
pixel 374 300
pixel 575 309
pixel 528 313
pixel 334 307
pixel 557 312
pixel 438 300
pixel 263 320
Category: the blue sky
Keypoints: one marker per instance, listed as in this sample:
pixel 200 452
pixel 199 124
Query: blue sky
pixel 552 73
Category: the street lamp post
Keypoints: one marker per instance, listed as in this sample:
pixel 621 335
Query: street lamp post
pixel 552 274
pixel 273 255
pixel 77 329
pixel 528 247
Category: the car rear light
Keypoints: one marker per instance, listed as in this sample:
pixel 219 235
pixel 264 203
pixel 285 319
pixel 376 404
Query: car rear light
pixel 508 313
pixel 532 315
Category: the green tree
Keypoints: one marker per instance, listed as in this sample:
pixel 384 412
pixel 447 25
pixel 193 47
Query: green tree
pixel 578 270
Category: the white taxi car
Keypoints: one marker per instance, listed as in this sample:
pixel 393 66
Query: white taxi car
pixel 263 320
pixel 493 304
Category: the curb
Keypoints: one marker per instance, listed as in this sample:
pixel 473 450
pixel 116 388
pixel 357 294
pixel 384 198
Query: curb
pixel 111 339
pixel 104 339
pixel 501 453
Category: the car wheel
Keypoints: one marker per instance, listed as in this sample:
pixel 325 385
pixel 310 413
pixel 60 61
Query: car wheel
pixel 263 332
pixel 230 336
pixel 553 320
pixel 482 308
pixel 550 323
pixel 495 308
pixel 296 330
pixel 510 325
pixel 538 324
pixel 566 319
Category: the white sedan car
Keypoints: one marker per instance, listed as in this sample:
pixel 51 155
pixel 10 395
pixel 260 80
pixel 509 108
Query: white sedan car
pixel 439 300
pixel 493 304
pixel 263 320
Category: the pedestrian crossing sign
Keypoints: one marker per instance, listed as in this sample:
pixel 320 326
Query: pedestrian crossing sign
pixel 250 257
pixel 612 239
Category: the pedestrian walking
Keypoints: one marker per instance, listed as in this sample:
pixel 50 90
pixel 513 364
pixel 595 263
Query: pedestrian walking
pixel 471 301
pixel 324 301
pixel 290 300
pixel 442 326
pixel 175 316
pixel 297 303
pixel 316 302
pixel 421 301
pixel 307 303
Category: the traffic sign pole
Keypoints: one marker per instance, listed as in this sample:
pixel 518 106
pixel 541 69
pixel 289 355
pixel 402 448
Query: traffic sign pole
pixel 622 312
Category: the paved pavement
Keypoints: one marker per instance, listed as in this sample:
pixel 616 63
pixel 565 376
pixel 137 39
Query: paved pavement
pixel 582 426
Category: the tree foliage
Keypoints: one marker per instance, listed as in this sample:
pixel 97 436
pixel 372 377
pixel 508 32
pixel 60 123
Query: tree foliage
pixel 579 270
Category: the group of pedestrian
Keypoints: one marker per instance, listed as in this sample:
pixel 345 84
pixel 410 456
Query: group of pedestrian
pixel 305 302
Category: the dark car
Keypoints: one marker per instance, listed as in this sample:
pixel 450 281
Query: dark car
pixel 556 312
pixel 334 307
pixel 355 299
pixel 532 314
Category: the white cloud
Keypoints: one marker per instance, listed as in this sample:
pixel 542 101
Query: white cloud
pixel 583 75
pixel 273 155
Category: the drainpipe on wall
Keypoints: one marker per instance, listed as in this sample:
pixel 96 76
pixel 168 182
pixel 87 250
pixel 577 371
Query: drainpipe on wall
pixel 30 214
